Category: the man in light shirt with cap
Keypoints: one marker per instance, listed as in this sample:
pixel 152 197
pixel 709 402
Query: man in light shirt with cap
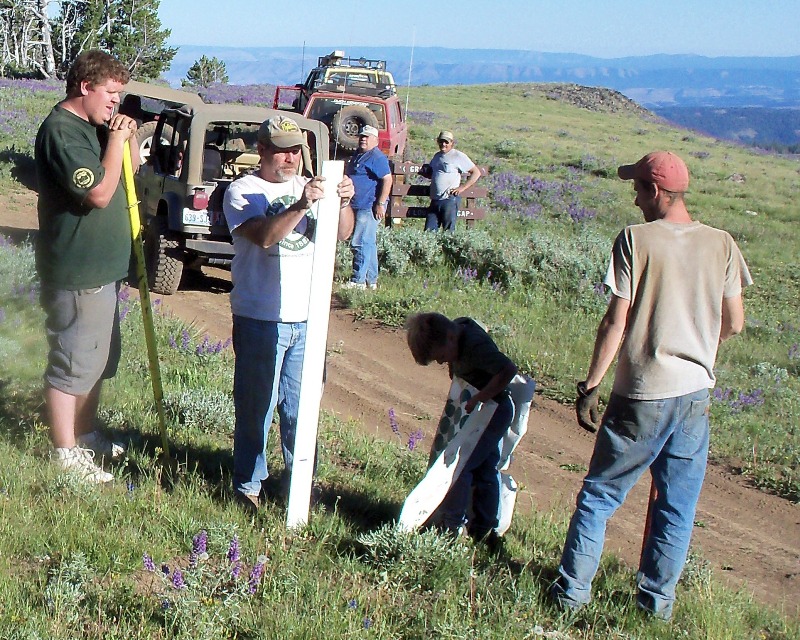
pixel 372 181
pixel 444 170
pixel 676 294
pixel 272 225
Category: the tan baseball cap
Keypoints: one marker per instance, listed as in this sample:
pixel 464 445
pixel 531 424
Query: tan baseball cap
pixel 281 132
pixel 447 136
pixel 663 168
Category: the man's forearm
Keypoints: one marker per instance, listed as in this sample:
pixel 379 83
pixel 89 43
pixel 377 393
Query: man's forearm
pixel 609 336
pixel 347 219
pixel 605 349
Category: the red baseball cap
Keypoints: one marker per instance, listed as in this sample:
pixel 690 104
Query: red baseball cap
pixel 663 168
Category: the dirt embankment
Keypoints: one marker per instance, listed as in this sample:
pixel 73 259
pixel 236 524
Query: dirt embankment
pixel 751 539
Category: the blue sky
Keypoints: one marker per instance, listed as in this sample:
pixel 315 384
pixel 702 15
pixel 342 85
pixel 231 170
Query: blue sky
pixel 602 28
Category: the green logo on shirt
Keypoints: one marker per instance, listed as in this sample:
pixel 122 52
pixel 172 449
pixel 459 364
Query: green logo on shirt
pixel 83 178
pixel 303 233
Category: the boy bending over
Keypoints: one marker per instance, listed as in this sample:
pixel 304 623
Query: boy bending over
pixel 474 357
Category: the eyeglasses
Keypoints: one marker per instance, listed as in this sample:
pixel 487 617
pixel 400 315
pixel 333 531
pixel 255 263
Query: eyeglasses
pixel 440 141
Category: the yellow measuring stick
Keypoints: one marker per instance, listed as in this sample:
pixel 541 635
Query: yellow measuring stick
pixel 144 293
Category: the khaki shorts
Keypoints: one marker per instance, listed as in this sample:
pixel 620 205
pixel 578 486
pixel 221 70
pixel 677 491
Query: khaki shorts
pixel 83 334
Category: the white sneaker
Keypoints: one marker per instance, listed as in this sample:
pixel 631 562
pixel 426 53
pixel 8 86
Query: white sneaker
pixel 81 462
pixel 101 446
pixel 373 285
pixel 354 285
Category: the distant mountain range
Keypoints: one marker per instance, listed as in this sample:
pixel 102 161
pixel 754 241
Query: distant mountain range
pixel 692 90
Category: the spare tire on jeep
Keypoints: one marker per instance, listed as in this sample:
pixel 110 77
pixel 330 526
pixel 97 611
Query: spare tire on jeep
pixel 144 137
pixel 346 124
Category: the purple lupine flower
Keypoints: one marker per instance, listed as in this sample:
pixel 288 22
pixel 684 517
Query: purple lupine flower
pixel 746 400
pixel 173 344
pixel 177 580
pixel 414 439
pixel 185 339
pixel 794 351
pixel 393 422
pixel 200 542
pixel 148 563
pixel 721 394
pixel 367 623
pixel 255 575
pixel 236 570
pixel 233 550
pixel 352 604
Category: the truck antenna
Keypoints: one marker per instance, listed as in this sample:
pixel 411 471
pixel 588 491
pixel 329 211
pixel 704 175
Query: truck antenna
pixel 410 65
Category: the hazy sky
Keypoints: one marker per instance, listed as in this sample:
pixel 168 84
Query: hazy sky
pixel 603 28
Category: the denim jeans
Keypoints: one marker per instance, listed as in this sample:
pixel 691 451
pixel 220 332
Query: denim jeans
pixel 670 437
pixel 365 247
pixel 267 371
pixel 443 213
pixel 480 479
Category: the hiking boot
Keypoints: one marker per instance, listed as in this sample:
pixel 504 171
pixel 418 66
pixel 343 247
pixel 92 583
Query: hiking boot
pixel 80 462
pixel 102 447
pixel 250 503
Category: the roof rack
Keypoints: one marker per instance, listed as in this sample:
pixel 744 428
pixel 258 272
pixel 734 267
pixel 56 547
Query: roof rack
pixel 338 59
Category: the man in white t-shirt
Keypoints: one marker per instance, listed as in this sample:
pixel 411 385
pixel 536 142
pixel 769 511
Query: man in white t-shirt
pixel 676 288
pixel 272 225
pixel 444 170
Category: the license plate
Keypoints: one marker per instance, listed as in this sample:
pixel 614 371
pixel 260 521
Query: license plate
pixel 196 217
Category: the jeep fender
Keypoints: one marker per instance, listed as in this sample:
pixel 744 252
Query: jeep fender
pixel 171 206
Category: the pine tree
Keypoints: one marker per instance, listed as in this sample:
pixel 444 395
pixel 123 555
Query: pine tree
pixel 128 29
pixel 206 71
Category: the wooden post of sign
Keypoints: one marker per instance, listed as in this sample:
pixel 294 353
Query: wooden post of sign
pixel 319 308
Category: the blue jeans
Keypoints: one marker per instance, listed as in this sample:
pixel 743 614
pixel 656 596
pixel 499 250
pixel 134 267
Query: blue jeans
pixel 443 213
pixel 365 247
pixel 267 371
pixel 480 479
pixel 670 437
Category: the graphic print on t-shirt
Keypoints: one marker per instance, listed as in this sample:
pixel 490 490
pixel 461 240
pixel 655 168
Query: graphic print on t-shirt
pixel 303 233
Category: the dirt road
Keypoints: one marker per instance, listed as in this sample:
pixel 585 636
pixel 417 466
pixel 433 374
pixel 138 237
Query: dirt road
pixel 751 539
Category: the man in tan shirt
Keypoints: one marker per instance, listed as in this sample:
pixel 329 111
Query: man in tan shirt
pixel 676 289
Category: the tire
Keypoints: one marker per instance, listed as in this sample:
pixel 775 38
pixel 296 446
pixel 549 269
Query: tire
pixel 162 257
pixel 346 123
pixel 144 137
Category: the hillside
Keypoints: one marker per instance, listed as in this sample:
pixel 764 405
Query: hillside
pixel 658 80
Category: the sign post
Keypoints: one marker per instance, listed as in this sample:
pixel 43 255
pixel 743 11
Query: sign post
pixel 319 308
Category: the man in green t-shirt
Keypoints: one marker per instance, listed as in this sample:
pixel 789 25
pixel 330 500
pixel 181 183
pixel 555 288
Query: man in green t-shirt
pixel 83 251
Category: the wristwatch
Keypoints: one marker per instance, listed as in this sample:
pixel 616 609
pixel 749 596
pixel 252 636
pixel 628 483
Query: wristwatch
pixel 384 204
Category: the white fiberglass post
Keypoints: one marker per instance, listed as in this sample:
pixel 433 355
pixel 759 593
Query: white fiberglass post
pixel 319 308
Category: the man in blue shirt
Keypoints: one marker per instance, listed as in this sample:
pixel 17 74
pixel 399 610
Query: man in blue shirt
pixel 372 180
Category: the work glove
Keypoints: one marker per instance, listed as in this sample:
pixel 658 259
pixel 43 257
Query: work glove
pixel 586 407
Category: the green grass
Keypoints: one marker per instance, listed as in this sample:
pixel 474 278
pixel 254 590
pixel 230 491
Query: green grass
pixel 71 557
